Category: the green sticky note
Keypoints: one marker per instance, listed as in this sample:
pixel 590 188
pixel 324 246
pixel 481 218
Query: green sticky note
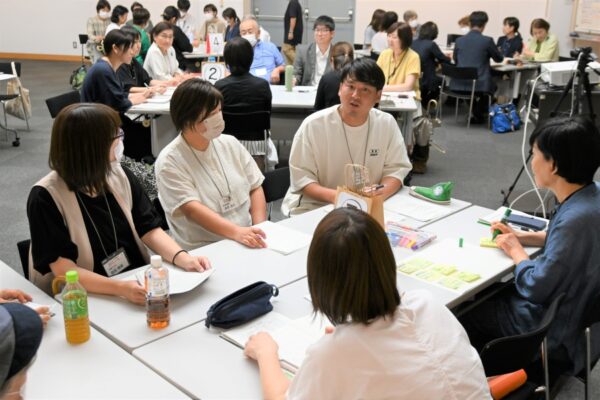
pixel 467 276
pixel 451 282
pixel 429 275
pixel 487 242
pixel 419 262
pixel 444 269
pixel 408 268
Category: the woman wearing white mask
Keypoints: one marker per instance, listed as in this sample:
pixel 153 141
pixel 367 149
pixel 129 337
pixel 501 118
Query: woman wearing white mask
pixel 91 215
pixel 208 183
pixel 211 24
pixel 412 19
pixel 96 29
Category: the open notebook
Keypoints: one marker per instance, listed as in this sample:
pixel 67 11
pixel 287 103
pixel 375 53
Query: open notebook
pixel 293 336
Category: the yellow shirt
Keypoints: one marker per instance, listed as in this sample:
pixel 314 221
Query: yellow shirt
pixel 396 71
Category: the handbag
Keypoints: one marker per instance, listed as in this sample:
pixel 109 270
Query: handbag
pixel 242 306
pixel 504 118
pixel 18 107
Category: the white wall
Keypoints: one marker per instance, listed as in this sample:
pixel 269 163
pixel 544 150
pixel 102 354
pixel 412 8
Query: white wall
pixel 51 27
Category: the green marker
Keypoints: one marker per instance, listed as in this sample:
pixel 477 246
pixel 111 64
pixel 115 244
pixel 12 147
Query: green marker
pixel 460 243
pixel 503 220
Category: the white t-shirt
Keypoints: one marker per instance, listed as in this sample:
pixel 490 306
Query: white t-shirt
pixel 182 175
pixel 379 42
pixel 319 154
pixel 321 65
pixel 159 66
pixel 265 36
pixel 421 353
pixel 111 27
pixel 187 24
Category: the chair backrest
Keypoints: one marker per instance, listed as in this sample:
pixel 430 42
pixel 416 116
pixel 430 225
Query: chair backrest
pixel 56 104
pixel 23 247
pixel 276 184
pixel 451 38
pixel 247 126
pixel 6 68
pixel 454 72
pixel 511 353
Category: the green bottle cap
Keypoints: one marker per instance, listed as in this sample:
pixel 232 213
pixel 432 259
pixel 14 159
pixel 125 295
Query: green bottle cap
pixel 72 276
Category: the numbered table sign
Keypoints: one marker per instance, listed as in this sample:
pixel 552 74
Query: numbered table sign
pixel 213 71
pixel 217 43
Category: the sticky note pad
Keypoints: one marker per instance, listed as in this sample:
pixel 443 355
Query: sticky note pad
pixel 450 282
pixel 409 268
pixel 419 262
pixel 487 242
pixel 444 269
pixel 467 276
pixel 429 275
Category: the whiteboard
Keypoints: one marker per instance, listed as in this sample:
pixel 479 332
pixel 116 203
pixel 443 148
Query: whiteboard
pixel 588 16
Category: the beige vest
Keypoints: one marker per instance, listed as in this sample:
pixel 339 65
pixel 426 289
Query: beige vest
pixel 66 202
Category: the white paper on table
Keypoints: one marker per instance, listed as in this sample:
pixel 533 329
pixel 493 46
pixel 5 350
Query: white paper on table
pixel 33 306
pixel 180 281
pixel 412 207
pixel 282 239
pixel 159 99
pixel 304 89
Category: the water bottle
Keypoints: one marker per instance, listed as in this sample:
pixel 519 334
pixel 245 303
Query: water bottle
pixel 157 294
pixel 75 310
pixel 289 77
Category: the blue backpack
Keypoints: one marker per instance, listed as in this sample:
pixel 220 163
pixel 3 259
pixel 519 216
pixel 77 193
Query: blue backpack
pixel 504 118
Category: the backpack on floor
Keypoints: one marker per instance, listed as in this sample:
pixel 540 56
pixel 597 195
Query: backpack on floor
pixel 504 118
pixel 77 77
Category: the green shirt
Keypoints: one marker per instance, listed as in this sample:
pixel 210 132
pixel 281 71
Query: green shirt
pixel 546 50
pixel 145 44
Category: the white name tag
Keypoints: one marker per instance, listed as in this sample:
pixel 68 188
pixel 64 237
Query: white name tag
pixel 260 72
pixel 116 262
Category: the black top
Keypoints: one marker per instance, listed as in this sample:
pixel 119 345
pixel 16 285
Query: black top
pixel 230 33
pixel 245 93
pixel 508 47
pixel 133 75
pixel 181 43
pixel 475 50
pixel 294 10
pixel 101 85
pixel 327 92
pixel 50 237
pixel 430 55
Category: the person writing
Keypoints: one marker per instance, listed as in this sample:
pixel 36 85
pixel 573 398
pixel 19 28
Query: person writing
pixel 543 46
pixel 91 215
pixel 566 155
pixel 385 345
pixel 208 183
pixel 512 42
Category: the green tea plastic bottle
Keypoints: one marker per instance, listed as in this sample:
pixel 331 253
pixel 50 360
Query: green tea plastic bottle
pixel 75 310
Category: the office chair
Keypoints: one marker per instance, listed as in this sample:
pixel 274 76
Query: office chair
pixel 23 247
pixel 275 186
pixel 57 103
pixel 250 128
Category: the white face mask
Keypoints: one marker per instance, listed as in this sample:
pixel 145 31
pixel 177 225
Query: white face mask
pixel 413 23
pixel 182 14
pixel 104 14
pixel 119 149
pixel 251 38
pixel 465 29
pixel 209 16
pixel 214 126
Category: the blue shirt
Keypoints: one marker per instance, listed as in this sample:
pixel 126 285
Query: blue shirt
pixel 570 263
pixel 266 59
pixel 102 85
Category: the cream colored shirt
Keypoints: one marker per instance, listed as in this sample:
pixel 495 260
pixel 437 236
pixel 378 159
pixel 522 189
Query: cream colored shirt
pixel 159 66
pixel 422 352
pixel 321 65
pixel 319 154
pixel 184 174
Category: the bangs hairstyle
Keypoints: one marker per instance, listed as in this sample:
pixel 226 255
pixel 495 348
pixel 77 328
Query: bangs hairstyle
pixel 171 12
pixel 573 144
pixel 160 28
pixel 140 16
pixel 117 13
pixel 326 21
pixel 82 135
pixel 351 268
pixel 376 19
pixel 192 101
pixel 342 54
pixel 131 32
pixel 364 70
pixel 238 55
pixel 405 35
pixel 513 22
pixel 539 23
pixel 102 4
pixel 115 38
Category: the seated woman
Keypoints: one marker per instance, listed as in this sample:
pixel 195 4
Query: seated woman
pixel 233 24
pixel 243 92
pixel 373 27
pixel 102 85
pixel 90 215
pixel 118 18
pixel 181 43
pixel 431 56
pixel 341 54
pixel 512 42
pixel 161 60
pixel 208 184
pixel 543 46
pixel 566 155
pixel 400 64
pixel 385 345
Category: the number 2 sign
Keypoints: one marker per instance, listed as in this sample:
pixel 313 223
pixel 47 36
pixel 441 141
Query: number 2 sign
pixel 213 71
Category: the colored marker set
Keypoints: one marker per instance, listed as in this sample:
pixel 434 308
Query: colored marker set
pixel 406 237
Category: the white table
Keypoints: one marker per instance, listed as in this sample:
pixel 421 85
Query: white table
pixel 203 365
pixel 516 72
pixel 95 369
pixel 200 52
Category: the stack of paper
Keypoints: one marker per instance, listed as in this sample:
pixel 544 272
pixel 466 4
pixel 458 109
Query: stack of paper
pixel 414 208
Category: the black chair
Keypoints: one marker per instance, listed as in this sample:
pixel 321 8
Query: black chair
pixel 250 127
pixel 358 46
pixel 451 38
pixel 591 317
pixel 512 353
pixel 449 72
pixel 56 104
pixel 275 185
pixel 6 68
pixel 160 210
pixel 23 247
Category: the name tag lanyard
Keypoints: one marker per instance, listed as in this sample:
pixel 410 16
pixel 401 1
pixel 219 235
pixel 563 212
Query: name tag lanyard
pixel 225 198
pixel 366 142
pixel 116 261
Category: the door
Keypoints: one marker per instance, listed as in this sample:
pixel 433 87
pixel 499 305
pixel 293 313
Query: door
pixel 270 16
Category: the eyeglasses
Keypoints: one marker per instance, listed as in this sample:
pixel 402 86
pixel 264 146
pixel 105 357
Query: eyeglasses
pixel 167 37
pixel 120 135
pixel 322 30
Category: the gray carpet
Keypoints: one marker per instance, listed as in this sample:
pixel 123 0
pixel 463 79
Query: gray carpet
pixel 479 162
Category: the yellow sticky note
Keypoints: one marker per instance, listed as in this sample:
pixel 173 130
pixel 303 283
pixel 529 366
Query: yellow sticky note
pixel 429 275
pixel 444 269
pixel 467 276
pixel 487 242
pixel 450 282
pixel 419 262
